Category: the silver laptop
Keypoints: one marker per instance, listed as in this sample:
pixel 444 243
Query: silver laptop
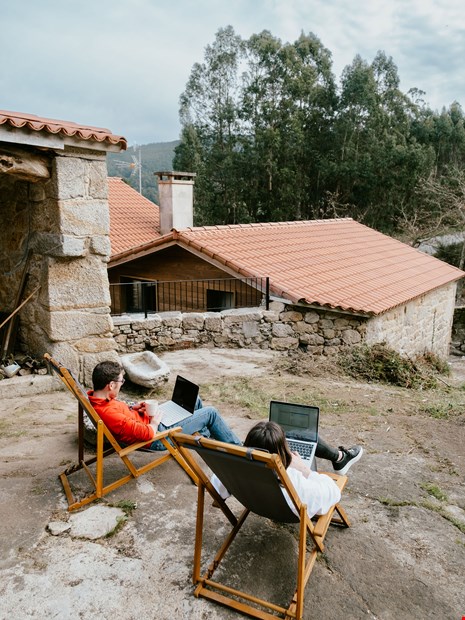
pixel 182 403
pixel 300 424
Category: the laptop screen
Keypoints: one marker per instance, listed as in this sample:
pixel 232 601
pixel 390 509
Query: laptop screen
pixel 297 421
pixel 185 393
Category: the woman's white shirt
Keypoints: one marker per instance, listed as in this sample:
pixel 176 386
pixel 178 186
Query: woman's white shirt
pixel 318 492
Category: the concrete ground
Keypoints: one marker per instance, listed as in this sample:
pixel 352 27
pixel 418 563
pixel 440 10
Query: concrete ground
pixel 403 557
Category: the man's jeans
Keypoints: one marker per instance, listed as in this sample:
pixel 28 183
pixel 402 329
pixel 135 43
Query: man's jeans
pixel 206 421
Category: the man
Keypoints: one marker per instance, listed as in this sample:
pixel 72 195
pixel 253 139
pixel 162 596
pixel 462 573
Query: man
pixel 132 424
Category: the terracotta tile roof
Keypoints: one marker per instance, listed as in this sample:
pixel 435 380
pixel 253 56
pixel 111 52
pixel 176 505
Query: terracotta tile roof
pixel 336 263
pixel 66 128
pixel 339 263
pixel 134 220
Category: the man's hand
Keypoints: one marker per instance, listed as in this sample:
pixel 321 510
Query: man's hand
pixel 139 407
pixel 156 419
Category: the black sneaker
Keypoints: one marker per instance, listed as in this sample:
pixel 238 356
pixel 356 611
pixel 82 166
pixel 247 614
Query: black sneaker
pixel 350 456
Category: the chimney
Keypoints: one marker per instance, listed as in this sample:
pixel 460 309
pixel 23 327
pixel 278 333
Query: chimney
pixel 176 199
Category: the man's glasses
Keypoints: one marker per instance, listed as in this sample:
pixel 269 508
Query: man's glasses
pixel 119 381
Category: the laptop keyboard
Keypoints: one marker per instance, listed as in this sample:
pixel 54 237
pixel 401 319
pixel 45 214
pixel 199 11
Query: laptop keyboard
pixel 304 449
pixel 173 413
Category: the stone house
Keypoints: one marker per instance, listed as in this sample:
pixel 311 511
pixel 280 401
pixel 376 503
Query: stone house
pixel 333 283
pixel 54 237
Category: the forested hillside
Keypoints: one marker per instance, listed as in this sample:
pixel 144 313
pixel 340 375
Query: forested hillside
pixel 154 157
pixel 273 136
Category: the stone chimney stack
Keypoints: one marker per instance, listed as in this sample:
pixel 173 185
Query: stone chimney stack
pixel 176 200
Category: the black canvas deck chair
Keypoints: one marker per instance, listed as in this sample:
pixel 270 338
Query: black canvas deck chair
pixel 106 445
pixel 256 479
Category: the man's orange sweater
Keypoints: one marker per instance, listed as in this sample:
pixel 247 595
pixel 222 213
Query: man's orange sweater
pixel 128 426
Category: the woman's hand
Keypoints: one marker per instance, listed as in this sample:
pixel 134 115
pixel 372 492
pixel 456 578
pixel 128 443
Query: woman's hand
pixel 299 464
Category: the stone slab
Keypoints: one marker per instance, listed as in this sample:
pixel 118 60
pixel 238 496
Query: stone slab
pixel 30 385
pixel 95 522
pixel 145 368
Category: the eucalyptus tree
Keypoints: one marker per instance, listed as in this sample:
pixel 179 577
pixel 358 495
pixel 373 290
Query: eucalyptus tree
pixel 380 161
pixel 444 132
pixel 288 103
pixel 210 120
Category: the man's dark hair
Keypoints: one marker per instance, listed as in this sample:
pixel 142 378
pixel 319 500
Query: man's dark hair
pixel 269 436
pixel 105 372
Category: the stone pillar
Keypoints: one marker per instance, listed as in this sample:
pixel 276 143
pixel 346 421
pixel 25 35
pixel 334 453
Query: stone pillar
pixel 70 316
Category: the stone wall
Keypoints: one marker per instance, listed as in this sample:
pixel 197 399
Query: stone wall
pixel 281 328
pixel 422 325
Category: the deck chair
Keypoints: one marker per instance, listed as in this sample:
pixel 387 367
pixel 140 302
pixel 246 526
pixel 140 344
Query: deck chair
pixel 256 479
pixel 106 445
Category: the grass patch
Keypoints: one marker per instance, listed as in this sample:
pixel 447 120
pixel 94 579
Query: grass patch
pixel 241 392
pixel 5 425
pixel 458 524
pixel 38 490
pixel 380 363
pixel 304 364
pixel 443 411
pixel 9 428
pixel 393 503
pixel 440 510
pixel 324 403
pixel 434 491
pixel 323 559
pixel 120 521
pixel 247 394
pixel 388 501
pixel 127 506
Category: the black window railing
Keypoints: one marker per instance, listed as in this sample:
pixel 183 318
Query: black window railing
pixel 139 296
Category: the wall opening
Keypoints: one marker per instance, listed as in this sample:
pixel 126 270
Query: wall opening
pixel 219 300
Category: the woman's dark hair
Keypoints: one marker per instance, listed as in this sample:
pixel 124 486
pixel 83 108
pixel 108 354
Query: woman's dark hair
pixel 269 436
pixel 105 372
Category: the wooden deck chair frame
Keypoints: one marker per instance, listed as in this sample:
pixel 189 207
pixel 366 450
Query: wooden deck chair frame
pixel 309 531
pixel 104 436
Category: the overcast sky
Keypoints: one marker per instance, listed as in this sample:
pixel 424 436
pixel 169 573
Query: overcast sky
pixel 123 64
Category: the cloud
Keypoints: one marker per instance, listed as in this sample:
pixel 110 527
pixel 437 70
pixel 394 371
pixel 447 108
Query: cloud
pixel 123 64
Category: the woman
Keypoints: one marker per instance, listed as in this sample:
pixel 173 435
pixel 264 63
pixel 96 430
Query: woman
pixel 318 491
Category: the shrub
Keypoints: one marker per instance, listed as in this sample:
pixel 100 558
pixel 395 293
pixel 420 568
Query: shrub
pixel 450 253
pixel 381 363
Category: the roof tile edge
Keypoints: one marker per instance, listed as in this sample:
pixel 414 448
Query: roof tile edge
pixel 19 120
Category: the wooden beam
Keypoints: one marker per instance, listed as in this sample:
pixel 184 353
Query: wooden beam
pixel 24 165
pixel 16 310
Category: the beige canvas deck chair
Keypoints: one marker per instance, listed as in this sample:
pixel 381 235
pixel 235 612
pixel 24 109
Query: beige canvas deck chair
pixel 106 445
pixel 256 479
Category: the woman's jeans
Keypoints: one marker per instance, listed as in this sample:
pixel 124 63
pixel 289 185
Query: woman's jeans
pixel 206 421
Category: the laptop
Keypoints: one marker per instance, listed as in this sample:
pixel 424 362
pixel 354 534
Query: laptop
pixel 300 424
pixel 182 403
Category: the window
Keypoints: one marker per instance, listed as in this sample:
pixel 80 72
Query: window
pixel 219 300
pixel 139 295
